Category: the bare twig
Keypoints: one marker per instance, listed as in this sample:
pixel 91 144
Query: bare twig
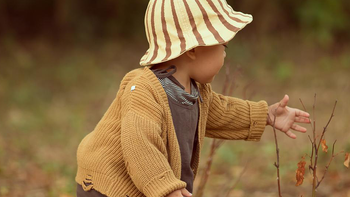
pixel 312 127
pixel 277 164
pixel 203 182
pixel 316 146
pixel 227 81
pixel 325 128
pixel 312 141
pixel 329 163
pixel 228 88
pixel 245 90
pixel 233 80
pixel 309 138
pixel 314 150
pixel 314 118
pixel 312 153
pixel 237 180
pixel 216 143
pixel 315 179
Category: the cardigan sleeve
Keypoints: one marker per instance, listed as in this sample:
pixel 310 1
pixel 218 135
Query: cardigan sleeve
pixel 235 119
pixel 143 148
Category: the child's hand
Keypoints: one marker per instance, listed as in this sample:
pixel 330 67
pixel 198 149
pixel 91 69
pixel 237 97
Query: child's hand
pixel 180 193
pixel 286 117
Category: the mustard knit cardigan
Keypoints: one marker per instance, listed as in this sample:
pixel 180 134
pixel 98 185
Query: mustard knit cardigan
pixel 133 151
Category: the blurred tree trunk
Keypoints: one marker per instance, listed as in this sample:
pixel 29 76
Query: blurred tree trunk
pixel 3 18
pixel 62 11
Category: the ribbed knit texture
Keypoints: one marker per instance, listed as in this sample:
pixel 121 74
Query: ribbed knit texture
pixel 133 151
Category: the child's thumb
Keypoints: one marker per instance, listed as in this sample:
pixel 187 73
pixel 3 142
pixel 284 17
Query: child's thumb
pixel 185 192
pixel 284 101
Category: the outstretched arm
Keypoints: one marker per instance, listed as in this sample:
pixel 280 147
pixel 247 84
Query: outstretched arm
pixel 232 118
pixel 287 117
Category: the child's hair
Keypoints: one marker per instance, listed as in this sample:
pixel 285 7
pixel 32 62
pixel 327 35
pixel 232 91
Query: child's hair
pixel 176 26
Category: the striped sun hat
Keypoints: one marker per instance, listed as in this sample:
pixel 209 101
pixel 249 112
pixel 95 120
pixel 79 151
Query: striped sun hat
pixel 176 26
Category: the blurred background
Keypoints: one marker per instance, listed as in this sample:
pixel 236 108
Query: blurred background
pixel 61 63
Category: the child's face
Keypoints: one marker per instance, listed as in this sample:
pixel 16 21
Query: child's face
pixel 208 62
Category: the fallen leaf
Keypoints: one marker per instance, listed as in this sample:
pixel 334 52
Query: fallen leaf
pixel 347 160
pixel 300 172
pixel 324 145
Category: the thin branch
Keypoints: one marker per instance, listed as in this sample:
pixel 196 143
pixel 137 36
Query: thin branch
pixel 314 150
pixel 277 164
pixel 312 153
pixel 325 128
pixel 218 143
pixel 315 147
pixel 314 184
pixel 329 163
pixel 314 118
pixel 312 126
pixel 204 179
pixel 227 81
pixel 312 142
pixel 215 144
pixel 237 180
pixel 245 90
pixel 233 80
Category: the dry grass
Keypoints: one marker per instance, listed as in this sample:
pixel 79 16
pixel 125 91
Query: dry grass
pixel 51 97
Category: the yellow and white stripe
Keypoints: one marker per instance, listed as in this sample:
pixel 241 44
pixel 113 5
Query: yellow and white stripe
pixel 176 26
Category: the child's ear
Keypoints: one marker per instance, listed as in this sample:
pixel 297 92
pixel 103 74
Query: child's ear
pixel 191 54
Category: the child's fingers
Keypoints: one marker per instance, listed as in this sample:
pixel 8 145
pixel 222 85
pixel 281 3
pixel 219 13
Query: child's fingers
pixel 290 134
pixel 299 112
pixel 302 120
pixel 299 128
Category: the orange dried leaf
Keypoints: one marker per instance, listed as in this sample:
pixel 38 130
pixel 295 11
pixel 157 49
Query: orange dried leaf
pixel 300 172
pixel 347 160
pixel 324 146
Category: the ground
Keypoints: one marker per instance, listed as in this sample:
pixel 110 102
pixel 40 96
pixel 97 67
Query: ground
pixel 52 95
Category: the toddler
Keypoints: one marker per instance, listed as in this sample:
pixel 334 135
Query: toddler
pixel 148 143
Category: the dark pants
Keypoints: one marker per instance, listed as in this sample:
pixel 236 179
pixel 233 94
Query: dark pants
pixel 90 193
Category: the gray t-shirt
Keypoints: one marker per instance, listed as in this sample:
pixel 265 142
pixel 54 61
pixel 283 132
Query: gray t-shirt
pixel 185 113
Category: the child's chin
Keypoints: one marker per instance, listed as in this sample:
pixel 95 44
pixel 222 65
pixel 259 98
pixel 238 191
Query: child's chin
pixel 209 80
pixel 212 79
pixel 205 80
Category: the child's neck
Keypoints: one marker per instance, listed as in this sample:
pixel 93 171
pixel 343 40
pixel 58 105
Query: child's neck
pixel 183 78
pixel 181 75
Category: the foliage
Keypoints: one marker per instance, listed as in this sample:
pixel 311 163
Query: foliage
pixel 323 20
pixel 61 63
